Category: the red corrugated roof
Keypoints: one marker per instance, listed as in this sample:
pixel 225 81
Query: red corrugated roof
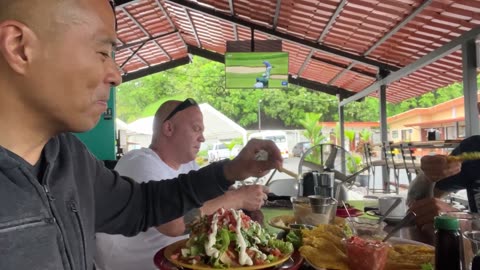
pixel 358 27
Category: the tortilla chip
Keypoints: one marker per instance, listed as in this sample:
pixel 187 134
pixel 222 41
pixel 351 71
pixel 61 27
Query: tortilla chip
pixel 322 257
pixel 406 257
pixel 323 247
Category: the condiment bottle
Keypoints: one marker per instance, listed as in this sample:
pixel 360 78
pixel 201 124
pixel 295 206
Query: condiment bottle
pixel 448 244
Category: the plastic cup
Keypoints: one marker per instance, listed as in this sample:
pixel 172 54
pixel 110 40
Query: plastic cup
pixel 365 254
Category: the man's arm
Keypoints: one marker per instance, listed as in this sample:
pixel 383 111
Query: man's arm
pixel 249 197
pixel 424 200
pixel 126 207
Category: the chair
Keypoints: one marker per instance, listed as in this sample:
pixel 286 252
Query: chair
pixel 392 163
pixel 372 164
pixel 410 163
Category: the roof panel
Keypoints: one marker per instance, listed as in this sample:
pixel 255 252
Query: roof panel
pixel 358 26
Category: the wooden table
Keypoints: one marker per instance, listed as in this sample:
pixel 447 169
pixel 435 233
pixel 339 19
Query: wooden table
pixel 428 144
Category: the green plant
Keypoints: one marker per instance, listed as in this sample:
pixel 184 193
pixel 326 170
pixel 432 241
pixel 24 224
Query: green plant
pixel 354 162
pixel 236 141
pixel 313 132
pixel 365 135
pixel 202 154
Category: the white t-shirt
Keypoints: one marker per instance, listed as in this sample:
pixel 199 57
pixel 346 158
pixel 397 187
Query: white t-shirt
pixel 117 252
pixel 258 85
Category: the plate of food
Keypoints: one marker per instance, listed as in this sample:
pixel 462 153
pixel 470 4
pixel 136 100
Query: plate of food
pixel 329 240
pixel 294 263
pixel 282 222
pixel 228 239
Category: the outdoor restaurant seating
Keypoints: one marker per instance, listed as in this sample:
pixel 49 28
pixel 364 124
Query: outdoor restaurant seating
pixel 399 158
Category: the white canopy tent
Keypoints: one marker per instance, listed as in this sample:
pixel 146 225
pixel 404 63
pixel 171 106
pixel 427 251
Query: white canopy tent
pixel 218 127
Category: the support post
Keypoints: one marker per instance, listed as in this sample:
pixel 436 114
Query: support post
pixel 383 127
pixel 341 120
pixel 470 89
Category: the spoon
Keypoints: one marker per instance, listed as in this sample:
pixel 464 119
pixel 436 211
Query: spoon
pixel 389 210
pixel 354 232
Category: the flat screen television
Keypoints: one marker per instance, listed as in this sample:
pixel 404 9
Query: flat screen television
pixel 256 70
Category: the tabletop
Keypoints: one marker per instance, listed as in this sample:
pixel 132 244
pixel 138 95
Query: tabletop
pixel 410 232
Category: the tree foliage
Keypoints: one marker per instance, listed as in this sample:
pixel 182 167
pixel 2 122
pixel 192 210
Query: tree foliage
pixel 204 80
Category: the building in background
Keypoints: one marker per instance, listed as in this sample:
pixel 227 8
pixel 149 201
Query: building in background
pixel 413 125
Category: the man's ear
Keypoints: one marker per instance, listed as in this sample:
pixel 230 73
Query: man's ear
pixel 16 41
pixel 167 128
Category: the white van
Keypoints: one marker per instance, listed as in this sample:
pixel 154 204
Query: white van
pixel 277 136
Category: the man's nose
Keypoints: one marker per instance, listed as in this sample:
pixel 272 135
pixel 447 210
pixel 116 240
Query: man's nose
pixel 114 77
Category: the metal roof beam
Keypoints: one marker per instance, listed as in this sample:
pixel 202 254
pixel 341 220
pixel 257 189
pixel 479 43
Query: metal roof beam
pixel 166 14
pixel 305 63
pixel 331 21
pixel 277 13
pixel 189 18
pixel 170 21
pixel 123 3
pixel 399 26
pixel 135 22
pixel 140 58
pixel 232 12
pixel 136 43
pixel 446 49
pixel 333 63
pixel 329 89
pixel 340 74
pixel 230 6
pixel 155 69
pixel 385 37
pixel 297 40
pixel 162 50
pixel 206 54
pixel 132 55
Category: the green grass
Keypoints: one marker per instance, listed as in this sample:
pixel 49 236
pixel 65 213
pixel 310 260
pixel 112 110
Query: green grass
pixel 247 81
pixel 279 62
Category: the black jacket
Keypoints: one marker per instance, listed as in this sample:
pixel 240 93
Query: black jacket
pixel 50 223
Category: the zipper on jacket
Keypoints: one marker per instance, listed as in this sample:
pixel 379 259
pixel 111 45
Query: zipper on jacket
pixel 51 198
pixel 73 208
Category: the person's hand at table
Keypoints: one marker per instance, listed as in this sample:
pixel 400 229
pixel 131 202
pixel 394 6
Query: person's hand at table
pixel 250 197
pixel 245 164
pixel 427 209
pixel 439 167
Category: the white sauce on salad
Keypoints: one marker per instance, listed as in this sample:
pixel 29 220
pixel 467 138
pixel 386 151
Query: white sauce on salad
pixel 243 258
pixel 209 249
pixel 261 254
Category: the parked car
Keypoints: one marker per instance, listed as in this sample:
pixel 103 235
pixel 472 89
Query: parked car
pixel 219 151
pixel 300 148
pixel 236 150
pixel 277 136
